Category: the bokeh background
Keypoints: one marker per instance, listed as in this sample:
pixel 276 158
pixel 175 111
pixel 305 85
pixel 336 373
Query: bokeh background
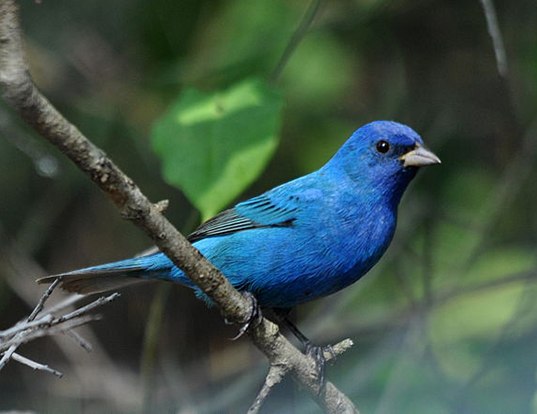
pixel 445 323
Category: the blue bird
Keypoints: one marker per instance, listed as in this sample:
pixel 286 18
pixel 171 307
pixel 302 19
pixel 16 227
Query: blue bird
pixel 302 240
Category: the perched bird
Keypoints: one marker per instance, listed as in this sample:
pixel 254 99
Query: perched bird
pixel 302 240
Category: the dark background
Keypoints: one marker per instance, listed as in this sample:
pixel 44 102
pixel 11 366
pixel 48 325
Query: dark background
pixel 446 323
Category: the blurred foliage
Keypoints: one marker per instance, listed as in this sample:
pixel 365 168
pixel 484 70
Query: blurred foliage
pixel 445 323
pixel 212 146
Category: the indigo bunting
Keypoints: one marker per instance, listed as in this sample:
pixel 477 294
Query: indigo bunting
pixel 302 240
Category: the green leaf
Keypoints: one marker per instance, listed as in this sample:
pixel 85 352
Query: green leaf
pixel 213 145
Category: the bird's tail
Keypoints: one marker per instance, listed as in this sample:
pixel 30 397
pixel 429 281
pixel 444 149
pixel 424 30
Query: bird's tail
pixel 116 275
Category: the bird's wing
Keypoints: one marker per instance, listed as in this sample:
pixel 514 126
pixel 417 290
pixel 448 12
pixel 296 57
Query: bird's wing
pixel 258 212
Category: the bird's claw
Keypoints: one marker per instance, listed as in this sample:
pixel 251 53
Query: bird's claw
pixel 253 319
pixel 317 353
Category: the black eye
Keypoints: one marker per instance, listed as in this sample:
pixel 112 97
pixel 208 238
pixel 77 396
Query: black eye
pixel 383 147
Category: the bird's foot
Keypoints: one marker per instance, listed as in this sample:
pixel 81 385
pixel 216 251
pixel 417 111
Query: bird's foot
pixel 317 353
pixel 254 318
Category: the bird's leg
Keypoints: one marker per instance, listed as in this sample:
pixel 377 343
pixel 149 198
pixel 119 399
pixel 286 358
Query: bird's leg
pixel 282 316
pixel 253 319
pixel 315 351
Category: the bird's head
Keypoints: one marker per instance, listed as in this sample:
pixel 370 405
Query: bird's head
pixel 383 157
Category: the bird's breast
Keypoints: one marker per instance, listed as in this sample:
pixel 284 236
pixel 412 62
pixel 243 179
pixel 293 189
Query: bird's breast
pixel 356 246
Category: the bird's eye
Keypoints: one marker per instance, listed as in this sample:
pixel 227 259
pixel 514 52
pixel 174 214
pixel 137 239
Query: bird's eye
pixel 383 147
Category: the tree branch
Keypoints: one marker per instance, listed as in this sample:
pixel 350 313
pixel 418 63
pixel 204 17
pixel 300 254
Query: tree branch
pixel 47 324
pixel 20 92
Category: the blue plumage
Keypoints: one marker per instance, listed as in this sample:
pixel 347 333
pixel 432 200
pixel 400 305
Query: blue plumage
pixel 305 239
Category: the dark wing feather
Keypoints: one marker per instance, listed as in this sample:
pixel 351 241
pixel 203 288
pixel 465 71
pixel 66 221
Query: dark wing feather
pixel 227 222
pixel 259 212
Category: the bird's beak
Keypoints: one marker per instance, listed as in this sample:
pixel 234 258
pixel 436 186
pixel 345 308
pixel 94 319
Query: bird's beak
pixel 419 157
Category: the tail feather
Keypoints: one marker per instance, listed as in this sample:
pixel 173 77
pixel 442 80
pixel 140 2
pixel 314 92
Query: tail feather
pixel 110 276
pixel 90 283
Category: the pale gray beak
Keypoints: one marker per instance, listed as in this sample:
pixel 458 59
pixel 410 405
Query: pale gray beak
pixel 419 157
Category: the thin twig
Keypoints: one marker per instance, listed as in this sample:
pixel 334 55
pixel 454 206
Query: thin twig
pixel 32 328
pixel 68 302
pixel 274 377
pixel 510 183
pixel 84 344
pixel 41 303
pixel 46 330
pixel 20 336
pixel 7 355
pixel 150 344
pixel 35 365
pixel 101 376
pixel 496 36
pixel 21 326
pixel 295 39
pixel 89 307
pixel 49 324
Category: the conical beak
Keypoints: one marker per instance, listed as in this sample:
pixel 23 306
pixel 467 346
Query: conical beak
pixel 419 157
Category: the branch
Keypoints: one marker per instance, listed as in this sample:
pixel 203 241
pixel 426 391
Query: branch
pixel 47 324
pixel 277 373
pixel 35 365
pixel 20 92
pixel 101 375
